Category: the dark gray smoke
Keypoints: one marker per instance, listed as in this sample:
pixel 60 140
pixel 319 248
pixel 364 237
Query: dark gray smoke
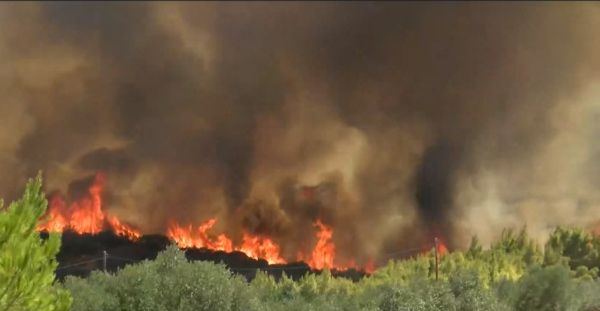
pixel 434 179
pixel 391 122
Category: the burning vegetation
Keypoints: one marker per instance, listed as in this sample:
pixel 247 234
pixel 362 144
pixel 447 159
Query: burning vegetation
pixel 86 216
pixel 333 133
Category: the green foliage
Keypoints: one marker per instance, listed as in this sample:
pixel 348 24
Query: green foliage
pixel 552 288
pixel 513 274
pixel 475 249
pixel 27 262
pixel 520 245
pixel 574 247
pixel 94 289
pixel 170 282
pixel 418 295
pixel 311 292
pixel 403 271
pixel 471 294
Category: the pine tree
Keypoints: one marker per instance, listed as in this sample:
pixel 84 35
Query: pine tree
pixel 27 262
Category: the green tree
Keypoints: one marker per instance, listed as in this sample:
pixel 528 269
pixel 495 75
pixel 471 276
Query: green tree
pixel 521 245
pixel 417 295
pixel 546 289
pixel 575 247
pixel 168 283
pixel 27 262
pixel 470 293
pixel 475 249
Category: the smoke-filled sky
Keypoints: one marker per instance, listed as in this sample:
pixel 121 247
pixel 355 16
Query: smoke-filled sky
pixel 391 122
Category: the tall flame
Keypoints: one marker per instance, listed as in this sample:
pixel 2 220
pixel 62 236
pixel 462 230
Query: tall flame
pixel 85 215
pixel 57 221
pixel 323 255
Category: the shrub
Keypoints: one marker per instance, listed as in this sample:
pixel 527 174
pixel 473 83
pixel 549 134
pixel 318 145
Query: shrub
pixel 170 282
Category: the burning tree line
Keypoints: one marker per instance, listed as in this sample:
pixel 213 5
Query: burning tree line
pixel 515 273
pixel 86 216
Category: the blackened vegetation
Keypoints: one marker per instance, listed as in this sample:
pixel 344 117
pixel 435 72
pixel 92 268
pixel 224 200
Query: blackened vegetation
pixel 81 254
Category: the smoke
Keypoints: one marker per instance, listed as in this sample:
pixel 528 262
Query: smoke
pixel 391 122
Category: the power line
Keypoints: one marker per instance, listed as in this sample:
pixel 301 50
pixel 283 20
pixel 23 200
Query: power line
pixel 107 256
pixel 404 252
pixel 124 259
pixel 78 263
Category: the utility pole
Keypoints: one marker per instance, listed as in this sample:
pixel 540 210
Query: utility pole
pixel 105 255
pixel 435 242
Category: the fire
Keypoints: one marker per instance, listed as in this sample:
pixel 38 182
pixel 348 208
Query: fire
pixel 186 237
pixel 442 249
pixel 323 254
pixel 85 215
pixel 261 247
pixel 122 229
pixel 253 246
pixel 57 222
pixel 370 267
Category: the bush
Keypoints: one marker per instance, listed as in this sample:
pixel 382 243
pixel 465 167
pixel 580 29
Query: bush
pixel 554 288
pixel 168 283
pixel 470 293
pixel 509 276
pixel 311 292
pixel 418 295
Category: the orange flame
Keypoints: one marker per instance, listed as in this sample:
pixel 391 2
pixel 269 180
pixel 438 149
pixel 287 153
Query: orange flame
pixel 57 222
pixel 253 246
pixel 441 248
pixel 261 247
pixel 85 215
pixel 370 267
pixel 185 237
pixel 323 254
pixel 122 229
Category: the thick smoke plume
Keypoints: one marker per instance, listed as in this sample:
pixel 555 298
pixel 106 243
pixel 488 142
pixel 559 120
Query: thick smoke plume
pixel 391 122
